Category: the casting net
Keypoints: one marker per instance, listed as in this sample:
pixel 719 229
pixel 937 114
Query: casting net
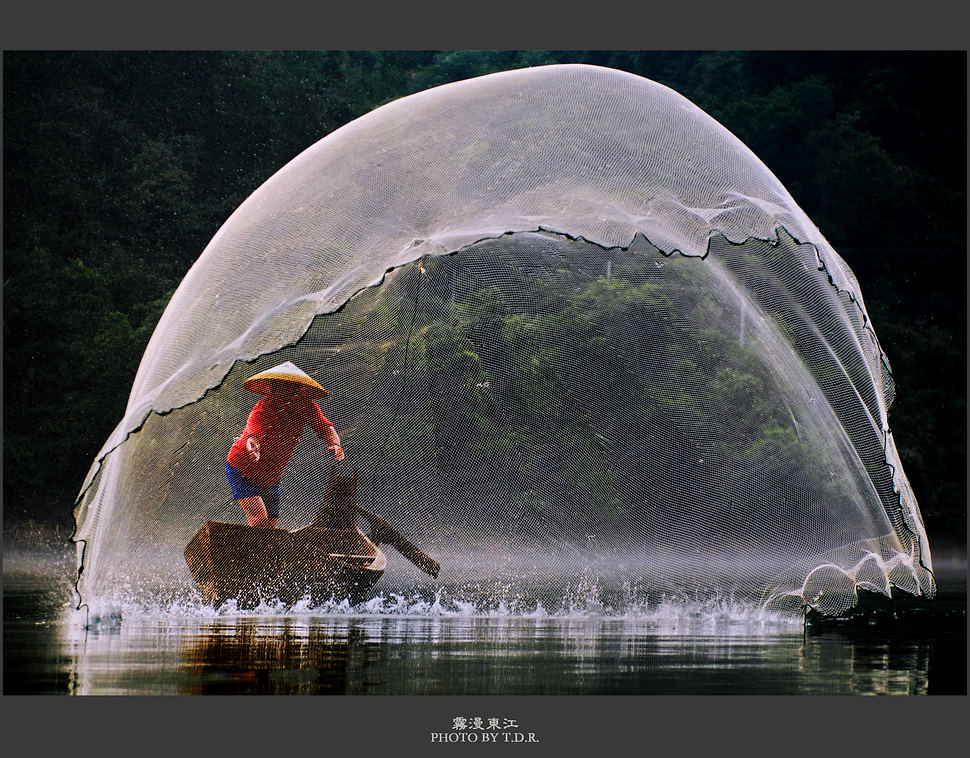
pixel 581 346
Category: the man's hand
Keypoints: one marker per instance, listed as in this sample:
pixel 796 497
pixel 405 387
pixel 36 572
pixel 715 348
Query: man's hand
pixel 252 447
pixel 338 452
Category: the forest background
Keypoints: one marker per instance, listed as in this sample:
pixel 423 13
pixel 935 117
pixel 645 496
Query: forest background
pixel 119 167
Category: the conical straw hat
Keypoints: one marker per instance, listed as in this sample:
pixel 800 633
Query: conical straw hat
pixel 287 372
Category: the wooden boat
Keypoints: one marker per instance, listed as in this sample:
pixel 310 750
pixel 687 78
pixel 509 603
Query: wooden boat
pixel 330 558
pixel 250 564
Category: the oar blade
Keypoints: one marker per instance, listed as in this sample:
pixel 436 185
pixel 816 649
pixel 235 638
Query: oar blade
pixel 384 533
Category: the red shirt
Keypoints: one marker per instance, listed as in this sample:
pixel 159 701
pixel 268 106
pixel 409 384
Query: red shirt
pixel 278 427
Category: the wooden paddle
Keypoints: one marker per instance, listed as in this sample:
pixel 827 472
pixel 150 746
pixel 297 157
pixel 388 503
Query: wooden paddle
pixel 384 533
pixel 339 511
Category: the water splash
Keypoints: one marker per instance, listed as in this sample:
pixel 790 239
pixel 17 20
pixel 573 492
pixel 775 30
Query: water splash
pixel 672 615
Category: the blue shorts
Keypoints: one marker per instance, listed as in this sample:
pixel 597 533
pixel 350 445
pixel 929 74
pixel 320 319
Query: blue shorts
pixel 243 488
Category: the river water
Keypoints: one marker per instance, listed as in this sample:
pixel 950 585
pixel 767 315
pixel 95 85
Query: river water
pixel 401 646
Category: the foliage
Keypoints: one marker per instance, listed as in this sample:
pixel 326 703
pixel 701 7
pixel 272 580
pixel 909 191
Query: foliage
pixel 120 166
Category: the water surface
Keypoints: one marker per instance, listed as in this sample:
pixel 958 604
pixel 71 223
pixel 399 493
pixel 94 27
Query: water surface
pixel 917 648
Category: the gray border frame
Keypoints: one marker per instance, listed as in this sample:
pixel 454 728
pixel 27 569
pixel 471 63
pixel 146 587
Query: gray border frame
pixel 687 725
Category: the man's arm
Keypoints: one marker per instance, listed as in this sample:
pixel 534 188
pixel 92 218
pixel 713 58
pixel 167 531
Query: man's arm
pixel 326 431
pixel 333 442
pixel 255 428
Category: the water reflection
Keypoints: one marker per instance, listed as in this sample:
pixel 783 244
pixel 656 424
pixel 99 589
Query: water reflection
pixel 917 649
pixel 862 665
pixel 464 656
pixel 293 659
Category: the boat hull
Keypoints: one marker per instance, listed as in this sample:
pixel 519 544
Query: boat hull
pixel 250 565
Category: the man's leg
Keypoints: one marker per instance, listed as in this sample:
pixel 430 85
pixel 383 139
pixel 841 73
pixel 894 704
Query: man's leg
pixel 271 499
pixel 255 511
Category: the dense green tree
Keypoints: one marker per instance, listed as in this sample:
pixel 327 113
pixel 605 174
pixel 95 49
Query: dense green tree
pixel 120 166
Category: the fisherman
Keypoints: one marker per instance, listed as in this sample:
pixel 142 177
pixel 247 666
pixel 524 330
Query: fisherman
pixel 258 457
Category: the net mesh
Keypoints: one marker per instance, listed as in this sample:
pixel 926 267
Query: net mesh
pixel 580 344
